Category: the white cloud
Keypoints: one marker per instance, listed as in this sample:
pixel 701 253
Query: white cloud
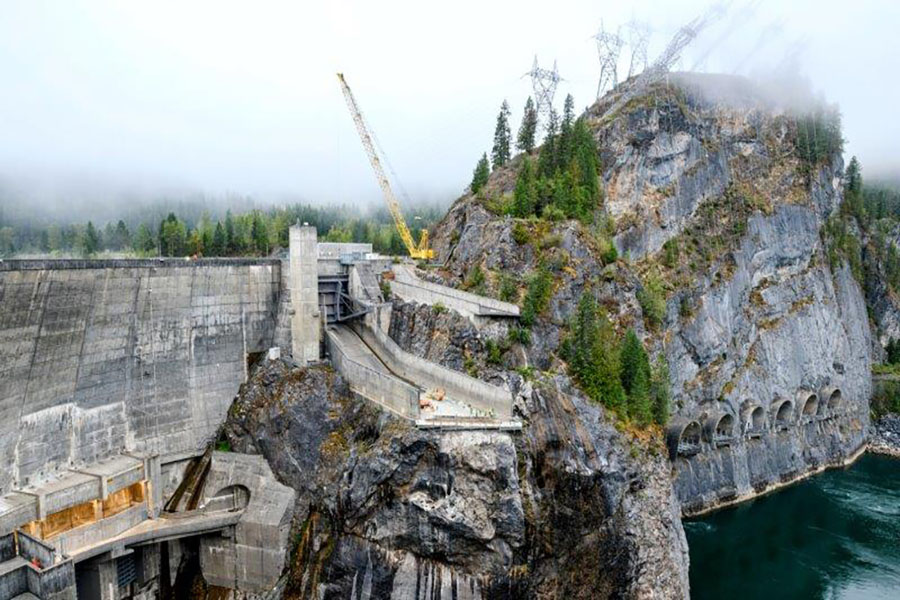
pixel 242 97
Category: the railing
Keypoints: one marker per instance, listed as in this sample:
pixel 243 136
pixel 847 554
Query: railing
pixel 464 302
pixel 42 264
pixel 688 448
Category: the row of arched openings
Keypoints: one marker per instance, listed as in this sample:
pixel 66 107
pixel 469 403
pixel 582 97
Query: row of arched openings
pixel 687 436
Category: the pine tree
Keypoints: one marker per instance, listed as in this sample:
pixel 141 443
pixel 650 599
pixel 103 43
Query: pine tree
pixel 636 378
pixel 230 240
pixel 525 194
pixel 565 133
pixel 549 158
pixel 594 354
pixel 144 244
pixel 500 153
pixel 481 174
pixel 608 366
pixel 528 128
pixel 90 240
pixel 259 234
pixel 853 187
pixel 218 241
pixel 195 243
pixel 122 235
pixel 172 236
pixel 585 154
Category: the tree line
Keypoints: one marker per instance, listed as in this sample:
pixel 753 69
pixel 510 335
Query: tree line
pixel 562 181
pixel 249 233
pixel 612 371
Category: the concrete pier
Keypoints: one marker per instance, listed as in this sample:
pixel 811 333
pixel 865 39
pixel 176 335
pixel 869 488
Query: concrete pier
pixel 305 321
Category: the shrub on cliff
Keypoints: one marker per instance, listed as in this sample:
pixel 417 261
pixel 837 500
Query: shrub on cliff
pixel 537 296
pixel 652 298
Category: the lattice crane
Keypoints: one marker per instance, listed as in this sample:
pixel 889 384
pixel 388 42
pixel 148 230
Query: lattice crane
pixel 420 250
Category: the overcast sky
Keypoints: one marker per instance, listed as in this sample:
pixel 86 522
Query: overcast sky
pixel 241 97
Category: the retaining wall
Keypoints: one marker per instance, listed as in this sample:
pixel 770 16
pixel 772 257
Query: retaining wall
pixel 482 396
pixel 32 548
pixel 392 393
pixel 100 356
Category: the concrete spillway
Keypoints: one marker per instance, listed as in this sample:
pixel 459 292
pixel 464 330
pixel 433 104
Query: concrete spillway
pixel 432 395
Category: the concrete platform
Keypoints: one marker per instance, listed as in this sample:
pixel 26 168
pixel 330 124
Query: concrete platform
pixel 167 527
pixel 14 563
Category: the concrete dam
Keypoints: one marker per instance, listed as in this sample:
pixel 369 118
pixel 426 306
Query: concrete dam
pixel 116 375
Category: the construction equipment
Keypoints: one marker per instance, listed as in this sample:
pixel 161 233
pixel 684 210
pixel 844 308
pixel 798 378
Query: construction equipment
pixel 420 250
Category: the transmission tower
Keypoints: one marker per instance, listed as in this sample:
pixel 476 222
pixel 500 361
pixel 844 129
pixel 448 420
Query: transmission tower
pixel 670 56
pixel 609 46
pixel 544 82
pixel 638 39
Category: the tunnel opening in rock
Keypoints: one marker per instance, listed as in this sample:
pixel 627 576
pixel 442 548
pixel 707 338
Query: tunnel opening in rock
pixel 811 406
pixel 783 415
pixel 834 401
pixel 757 421
pixel 683 438
pixel 689 441
pixel 725 426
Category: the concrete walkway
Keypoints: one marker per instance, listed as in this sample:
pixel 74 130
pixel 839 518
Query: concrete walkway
pixel 410 287
pixel 168 526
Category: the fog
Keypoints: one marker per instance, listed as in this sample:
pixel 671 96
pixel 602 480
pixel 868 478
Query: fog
pixel 106 104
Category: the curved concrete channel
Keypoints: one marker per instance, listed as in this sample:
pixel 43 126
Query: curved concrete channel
pixel 400 382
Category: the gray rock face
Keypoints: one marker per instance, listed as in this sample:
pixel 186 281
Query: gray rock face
pixel 883 303
pixel 885 437
pixel 388 511
pixel 782 328
pixel 759 320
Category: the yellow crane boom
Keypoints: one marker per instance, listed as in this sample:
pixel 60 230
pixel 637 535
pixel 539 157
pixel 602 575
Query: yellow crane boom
pixel 416 251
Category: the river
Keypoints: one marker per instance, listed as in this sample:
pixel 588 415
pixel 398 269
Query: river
pixel 835 535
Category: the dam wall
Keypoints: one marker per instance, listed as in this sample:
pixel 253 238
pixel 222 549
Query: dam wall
pixel 103 356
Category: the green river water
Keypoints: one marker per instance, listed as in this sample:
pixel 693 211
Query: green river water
pixel 834 535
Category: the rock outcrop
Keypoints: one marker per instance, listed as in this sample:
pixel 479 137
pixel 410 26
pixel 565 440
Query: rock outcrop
pixel 568 508
pixel 885 438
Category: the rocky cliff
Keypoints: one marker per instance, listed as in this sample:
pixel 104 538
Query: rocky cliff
pixel 569 508
pixel 768 345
